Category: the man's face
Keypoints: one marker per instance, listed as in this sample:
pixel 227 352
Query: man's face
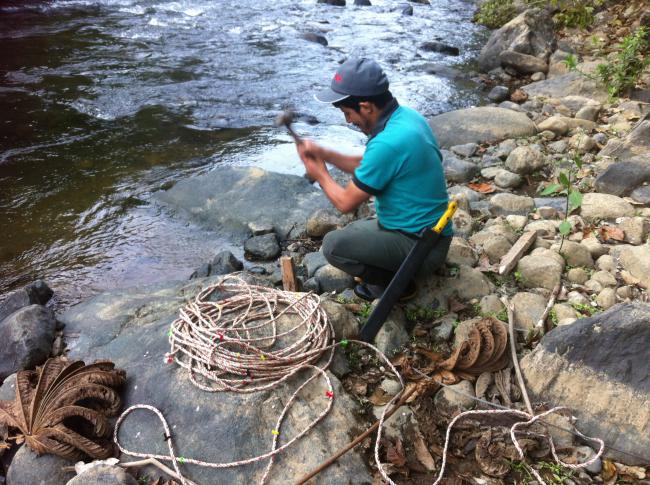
pixel 361 120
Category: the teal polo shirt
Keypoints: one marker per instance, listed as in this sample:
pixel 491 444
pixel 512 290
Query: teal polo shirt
pixel 402 168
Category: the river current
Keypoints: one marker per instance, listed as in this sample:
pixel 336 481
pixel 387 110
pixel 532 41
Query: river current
pixel 104 102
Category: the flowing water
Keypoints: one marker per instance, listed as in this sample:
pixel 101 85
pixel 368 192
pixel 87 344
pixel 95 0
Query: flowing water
pixel 104 102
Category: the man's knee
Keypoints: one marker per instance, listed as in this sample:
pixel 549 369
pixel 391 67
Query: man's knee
pixel 330 246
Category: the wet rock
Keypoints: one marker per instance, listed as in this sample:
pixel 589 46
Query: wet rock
pixel 470 283
pixel 564 369
pixel 321 222
pixel 635 260
pixel 264 247
pixel 313 261
pixel 623 177
pixel 525 160
pixel 224 263
pixel 480 125
pixel 498 94
pixel 460 252
pixel 333 279
pixel 528 309
pixel 523 63
pixel 504 204
pixel 466 150
pixel 335 3
pixel 578 276
pixel 406 9
pixel 541 269
pixel 314 37
pixel 229 198
pixel 597 206
pixel 362 3
pixel 457 170
pixel 440 47
pixel 392 335
pixel 104 475
pixel 508 180
pixel 575 254
pixel 27 468
pixel 130 328
pixel 26 337
pixel 531 32
pixel 36 293
pixel 457 397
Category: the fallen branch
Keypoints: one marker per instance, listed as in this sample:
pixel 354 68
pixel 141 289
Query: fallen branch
pixel 551 301
pixel 516 252
pixel 513 349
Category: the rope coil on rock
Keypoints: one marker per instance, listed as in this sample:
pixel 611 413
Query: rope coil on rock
pixel 234 345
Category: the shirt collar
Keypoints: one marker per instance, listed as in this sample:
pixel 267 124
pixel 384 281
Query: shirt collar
pixel 386 113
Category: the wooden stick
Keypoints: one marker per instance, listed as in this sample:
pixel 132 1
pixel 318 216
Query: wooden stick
pixel 513 350
pixel 289 282
pixel 540 323
pixel 516 252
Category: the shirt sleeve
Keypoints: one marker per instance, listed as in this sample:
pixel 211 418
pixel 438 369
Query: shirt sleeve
pixel 377 168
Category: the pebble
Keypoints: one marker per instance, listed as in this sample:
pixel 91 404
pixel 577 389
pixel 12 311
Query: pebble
pixel 578 276
pixel 606 298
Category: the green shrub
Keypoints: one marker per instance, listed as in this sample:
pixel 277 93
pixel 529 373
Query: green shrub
pixel 495 13
pixel 575 13
pixel 623 72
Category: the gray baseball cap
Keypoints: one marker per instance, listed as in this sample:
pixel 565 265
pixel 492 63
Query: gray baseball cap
pixel 355 77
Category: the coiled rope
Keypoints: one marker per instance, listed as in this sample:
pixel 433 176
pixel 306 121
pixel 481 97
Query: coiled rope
pixel 235 345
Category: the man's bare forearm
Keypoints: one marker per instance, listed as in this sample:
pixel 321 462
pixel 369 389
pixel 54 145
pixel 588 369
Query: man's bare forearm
pixel 346 163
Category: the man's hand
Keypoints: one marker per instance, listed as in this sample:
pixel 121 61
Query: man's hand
pixel 308 148
pixel 315 167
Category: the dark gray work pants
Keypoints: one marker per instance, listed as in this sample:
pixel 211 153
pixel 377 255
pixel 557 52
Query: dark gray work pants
pixel 374 254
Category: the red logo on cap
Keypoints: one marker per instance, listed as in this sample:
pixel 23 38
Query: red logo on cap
pixel 337 78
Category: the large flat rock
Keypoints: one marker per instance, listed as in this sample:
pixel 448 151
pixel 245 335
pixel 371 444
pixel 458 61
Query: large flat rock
pixel 599 368
pixel 571 83
pixel 480 125
pixel 130 327
pixel 227 199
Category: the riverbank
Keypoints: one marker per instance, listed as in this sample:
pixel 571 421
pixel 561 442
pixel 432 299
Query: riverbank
pixel 506 164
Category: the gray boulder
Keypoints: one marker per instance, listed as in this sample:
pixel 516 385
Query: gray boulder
pixel 362 3
pixel 524 160
pixel 604 207
pixel 441 47
pixel 635 260
pixel 227 199
pixel 225 262
pixel 523 63
pixel 622 178
pixel 313 261
pixel 36 293
pixel 26 337
pixel 262 247
pixel 498 94
pixel 527 310
pixel 641 194
pixel 480 125
pixel 541 269
pixel 335 3
pixel 104 475
pixel 504 204
pixel 331 278
pixel 637 142
pixel 581 366
pixel 457 170
pixel 27 468
pixel 571 83
pixel 130 327
pixel 316 38
pixel 321 222
pixel 392 334
pixel 466 150
pixel 532 32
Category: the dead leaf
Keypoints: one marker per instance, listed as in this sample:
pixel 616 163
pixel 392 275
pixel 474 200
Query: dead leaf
pixel 422 452
pixel 612 232
pixel 455 306
pixel 395 454
pixel 482 187
pixel 379 397
pixel 634 472
pixel 357 385
pixel 609 472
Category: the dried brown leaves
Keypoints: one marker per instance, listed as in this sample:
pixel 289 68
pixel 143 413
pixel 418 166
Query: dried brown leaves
pixel 62 408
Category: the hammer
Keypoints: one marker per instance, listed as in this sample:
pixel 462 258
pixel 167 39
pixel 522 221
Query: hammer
pixel 286 118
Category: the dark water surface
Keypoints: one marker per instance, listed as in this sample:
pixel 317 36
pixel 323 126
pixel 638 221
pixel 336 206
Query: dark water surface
pixel 104 102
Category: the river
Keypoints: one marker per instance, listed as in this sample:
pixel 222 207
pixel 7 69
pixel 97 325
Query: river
pixel 104 102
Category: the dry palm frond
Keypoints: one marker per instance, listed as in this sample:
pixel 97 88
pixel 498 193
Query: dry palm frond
pixel 62 408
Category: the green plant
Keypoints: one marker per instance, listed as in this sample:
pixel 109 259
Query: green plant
pixel 576 13
pixel 584 309
pixel 554 473
pixel 366 310
pixel 495 13
pixel 415 313
pixel 624 70
pixel 553 315
pixel 519 278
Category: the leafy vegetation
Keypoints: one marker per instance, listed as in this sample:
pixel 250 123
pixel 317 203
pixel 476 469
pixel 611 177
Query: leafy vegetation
pixel 570 13
pixel 584 310
pixel 415 313
pixel 622 72
pixel 495 13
